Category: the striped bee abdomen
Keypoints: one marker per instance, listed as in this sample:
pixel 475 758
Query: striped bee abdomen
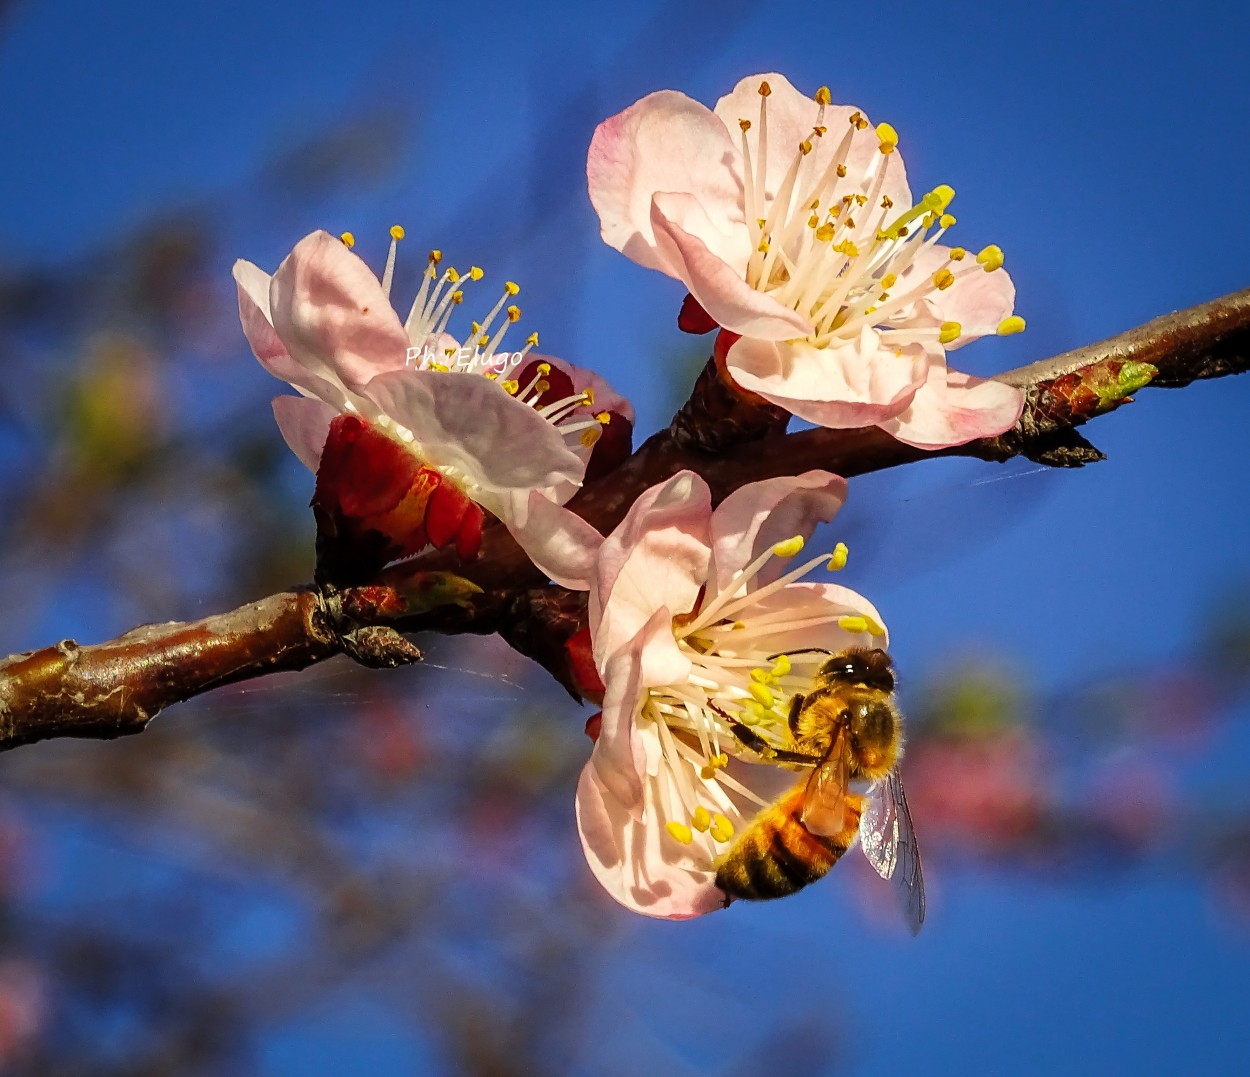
pixel 777 855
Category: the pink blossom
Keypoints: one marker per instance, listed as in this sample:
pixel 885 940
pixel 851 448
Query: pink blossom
pixel 512 431
pixel 791 223
pixel 689 609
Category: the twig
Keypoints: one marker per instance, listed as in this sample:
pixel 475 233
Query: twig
pixel 115 688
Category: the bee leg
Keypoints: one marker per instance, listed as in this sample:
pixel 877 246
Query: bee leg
pixel 796 708
pixel 764 750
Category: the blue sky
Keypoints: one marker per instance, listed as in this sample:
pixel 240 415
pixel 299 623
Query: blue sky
pixel 1103 146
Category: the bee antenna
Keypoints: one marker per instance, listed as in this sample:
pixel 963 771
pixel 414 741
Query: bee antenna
pixel 804 650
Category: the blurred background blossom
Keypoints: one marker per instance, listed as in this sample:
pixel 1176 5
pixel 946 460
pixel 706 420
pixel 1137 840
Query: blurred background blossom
pixel 343 871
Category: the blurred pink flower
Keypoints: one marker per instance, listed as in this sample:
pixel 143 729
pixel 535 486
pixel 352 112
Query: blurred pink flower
pixel 790 221
pixel 687 605
pixel 511 432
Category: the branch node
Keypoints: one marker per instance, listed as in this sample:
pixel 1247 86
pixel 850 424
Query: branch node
pixel 380 647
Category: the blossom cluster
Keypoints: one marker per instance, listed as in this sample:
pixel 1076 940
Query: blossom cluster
pixel 790 222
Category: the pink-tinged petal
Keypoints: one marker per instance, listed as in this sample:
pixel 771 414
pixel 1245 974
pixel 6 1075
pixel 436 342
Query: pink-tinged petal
pixel 304 425
pixel 628 858
pixel 665 142
pixel 618 758
pixel 558 541
pixel 330 311
pixel 469 422
pixel 657 557
pixel 849 385
pixel 718 285
pixel 655 651
pixel 253 286
pixel 761 514
pixel 953 409
pixel 791 118
pixel 978 301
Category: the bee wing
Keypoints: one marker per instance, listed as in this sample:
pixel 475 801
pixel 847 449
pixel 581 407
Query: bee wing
pixel 889 841
pixel 824 800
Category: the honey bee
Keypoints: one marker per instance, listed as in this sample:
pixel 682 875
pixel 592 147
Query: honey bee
pixel 847 727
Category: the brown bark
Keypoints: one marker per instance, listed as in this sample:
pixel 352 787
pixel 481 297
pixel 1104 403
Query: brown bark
pixel 115 688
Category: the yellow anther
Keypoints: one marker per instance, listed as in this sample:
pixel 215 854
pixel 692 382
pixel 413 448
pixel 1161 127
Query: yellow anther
pixel 857 121
pixel 853 624
pixel 476 273
pixel 397 231
pixel 813 221
pixel 841 171
pixel 846 246
pixel 511 386
pixel 435 257
pixel 947 220
pixel 457 297
pixel 823 97
pixel 825 233
pixel 789 547
pixel 452 274
pixel 949 332
pixel 753 713
pixel 781 666
pixel 722 829
pixel 738 626
pixel 1009 326
pixel 887 202
pixel 588 394
pixel 714 763
pixel 511 287
pixel 990 258
pixel 541 386
pixel 543 369
pixel 888 138
pixel 492 375
pixel 349 240
pixel 475 327
pixel 760 675
pixel 532 340
pixel 805 147
pixel 940 197
pixel 765 90
pixel 679 832
pixel 442 368
pixel 874 629
pixel 957 254
pixel 514 314
pixel 702 818
pixel 943 279
pixel 603 417
pixel 590 435
pixel 744 126
pixel 763 247
pixel 761 695
pixel 837 559
pixel 889 280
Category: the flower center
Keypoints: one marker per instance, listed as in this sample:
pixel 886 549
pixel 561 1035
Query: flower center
pixel 836 249
pixel 728 638
pixel 432 348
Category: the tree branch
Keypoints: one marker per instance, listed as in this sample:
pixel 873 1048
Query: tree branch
pixel 113 689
